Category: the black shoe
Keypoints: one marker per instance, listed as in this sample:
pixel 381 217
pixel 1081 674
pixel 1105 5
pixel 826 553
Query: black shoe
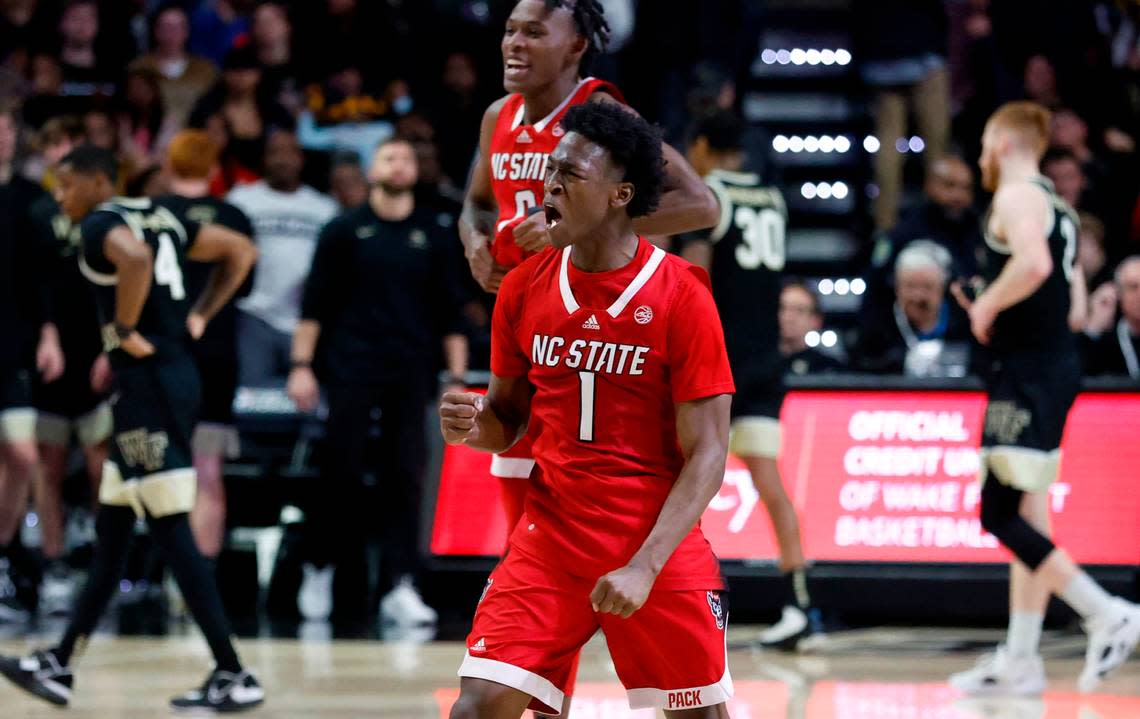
pixel 40 674
pixel 223 693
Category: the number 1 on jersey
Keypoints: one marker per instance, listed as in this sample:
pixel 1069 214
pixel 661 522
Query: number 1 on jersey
pixel 586 420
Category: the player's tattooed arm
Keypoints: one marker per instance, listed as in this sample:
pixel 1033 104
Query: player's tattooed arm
pixel 491 422
pixel 702 430
pixel 687 203
pixel 477 220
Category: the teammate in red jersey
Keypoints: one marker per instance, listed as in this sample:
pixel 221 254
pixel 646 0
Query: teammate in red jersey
pixel 547 45
pixel 616 350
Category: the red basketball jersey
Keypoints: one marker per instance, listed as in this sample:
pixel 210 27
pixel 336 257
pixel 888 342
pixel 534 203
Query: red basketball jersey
pixel 518 162
pixel 609 354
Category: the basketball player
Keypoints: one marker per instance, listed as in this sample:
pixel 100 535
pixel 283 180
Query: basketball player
pixel 745 255
pixel 191 159
pixel 615 349
pixel 135 252
pixel 76 404
pixel 547 45
pixel 1027 316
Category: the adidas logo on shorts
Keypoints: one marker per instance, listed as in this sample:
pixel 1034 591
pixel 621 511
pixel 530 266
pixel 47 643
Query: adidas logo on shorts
pixel 479 646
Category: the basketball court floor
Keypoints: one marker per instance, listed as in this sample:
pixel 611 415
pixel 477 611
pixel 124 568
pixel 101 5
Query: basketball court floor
pixel 862 674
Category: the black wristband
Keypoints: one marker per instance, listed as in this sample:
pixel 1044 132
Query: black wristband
pixel 123 331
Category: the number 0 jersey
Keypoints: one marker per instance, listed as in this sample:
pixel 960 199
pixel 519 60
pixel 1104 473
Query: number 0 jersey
pixel 608 355
pixel 169 236
pixel 519 154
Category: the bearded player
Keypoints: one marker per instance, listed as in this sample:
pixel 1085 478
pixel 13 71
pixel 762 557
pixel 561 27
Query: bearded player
pixel 547 46
pixel 615 349
pixel 1027 316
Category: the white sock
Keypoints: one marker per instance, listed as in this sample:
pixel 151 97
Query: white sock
pixel 1024 635
pixel 1086 597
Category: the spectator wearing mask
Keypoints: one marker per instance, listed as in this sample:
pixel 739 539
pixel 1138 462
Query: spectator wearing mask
pixel 381 305
pixel 183 78
pixel 1112 348
pixel 927 335
pixel 799 316
pixel 287 216
pixel 945 216
pixel 342 114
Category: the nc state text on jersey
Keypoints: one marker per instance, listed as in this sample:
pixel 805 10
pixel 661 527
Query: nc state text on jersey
pixel 519 165
pixel 589 356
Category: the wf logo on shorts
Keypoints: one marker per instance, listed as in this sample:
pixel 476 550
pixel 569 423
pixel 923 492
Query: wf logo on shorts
pixel 717 608
pixel 140 448
pixel 1005 421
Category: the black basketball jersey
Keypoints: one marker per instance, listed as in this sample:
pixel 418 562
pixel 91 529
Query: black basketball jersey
pixel 1040 322
pixel 747 259
pixel 220 333
pixel 170 236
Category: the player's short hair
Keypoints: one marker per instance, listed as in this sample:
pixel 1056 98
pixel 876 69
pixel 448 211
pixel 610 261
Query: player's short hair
pixel 924 254
pixel 590 21
pixel 722 129
pixel 91 160
pixel 798 284
pixel 1031 121
pixel 633 144
pixel 192 154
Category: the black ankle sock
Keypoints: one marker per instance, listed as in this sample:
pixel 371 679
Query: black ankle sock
pixel 795 589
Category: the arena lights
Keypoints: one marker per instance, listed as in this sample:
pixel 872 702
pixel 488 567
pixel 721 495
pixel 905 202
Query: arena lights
pixel 809 56
pixel 811 143
pixel 824 190
pixel 827 338
pixel 904 144
pixel 841 286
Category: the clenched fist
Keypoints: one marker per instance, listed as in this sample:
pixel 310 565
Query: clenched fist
pixel 459 416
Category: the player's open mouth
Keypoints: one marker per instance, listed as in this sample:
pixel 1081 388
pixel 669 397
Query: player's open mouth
pixel 515 67
pixel 553 216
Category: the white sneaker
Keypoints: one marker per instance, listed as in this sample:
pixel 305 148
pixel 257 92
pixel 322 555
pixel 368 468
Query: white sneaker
pixel 57 590
pixel 787 632
pixel 1111 639
pixel 403 605
pixel 314 600
pixel 1002 675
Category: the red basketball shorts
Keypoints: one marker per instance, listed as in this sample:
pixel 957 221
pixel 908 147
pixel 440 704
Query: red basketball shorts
pixel 534 618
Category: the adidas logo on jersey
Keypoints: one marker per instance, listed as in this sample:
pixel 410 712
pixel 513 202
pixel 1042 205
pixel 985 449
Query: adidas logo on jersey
pixel 479 646
pixel 591 324
pixel 524 137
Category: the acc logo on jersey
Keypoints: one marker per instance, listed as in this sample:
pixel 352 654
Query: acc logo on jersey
pixel 643 315
pixel 717 608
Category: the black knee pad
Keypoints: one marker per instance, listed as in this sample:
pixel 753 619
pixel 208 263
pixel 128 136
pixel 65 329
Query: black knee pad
pixel 1001 517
